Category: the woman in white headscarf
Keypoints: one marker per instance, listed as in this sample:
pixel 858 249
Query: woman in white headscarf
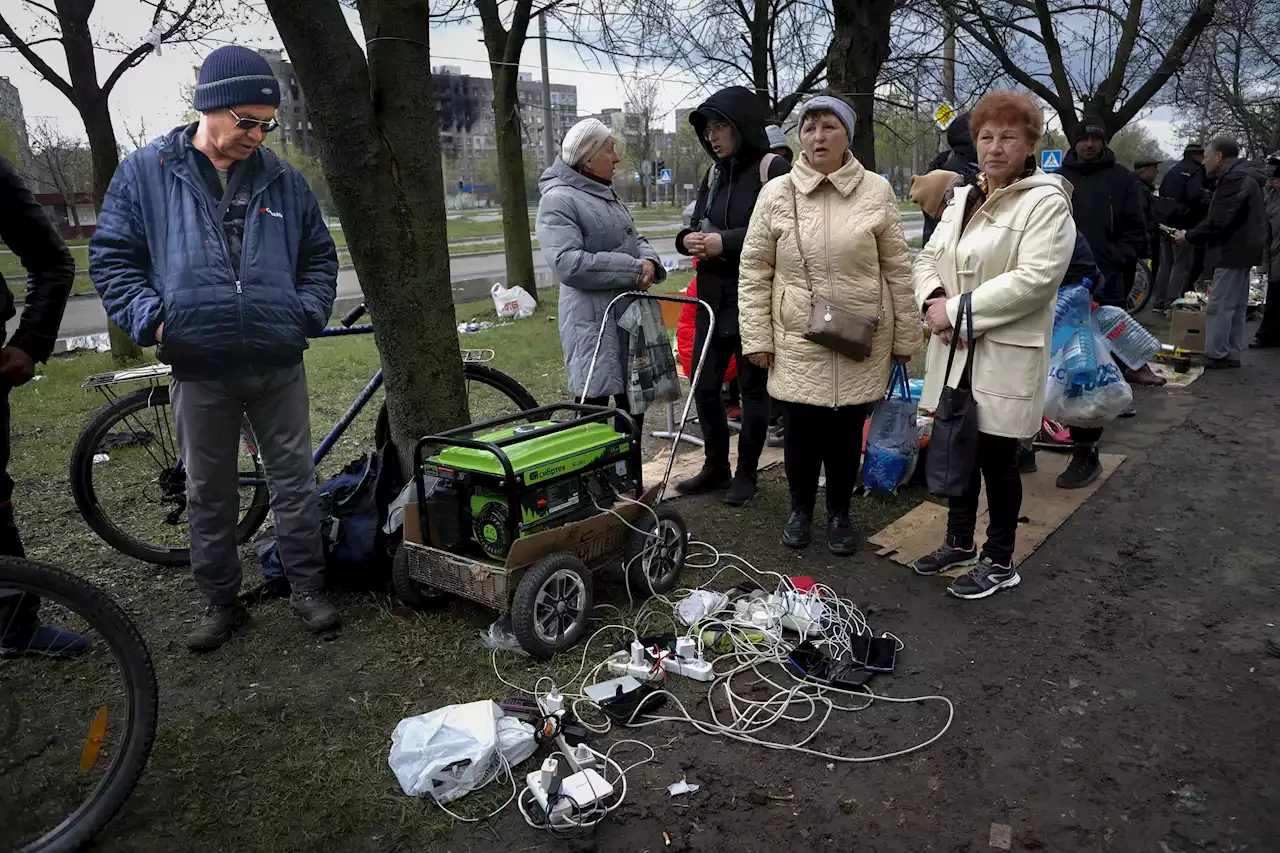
pixel 594 251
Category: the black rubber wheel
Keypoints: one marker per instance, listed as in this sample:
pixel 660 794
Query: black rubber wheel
pixel 552 605
pixel 419 596
pixel 654 563
pixel 1140 293
pixel 475 374
pixel 144 416
pixel 140 694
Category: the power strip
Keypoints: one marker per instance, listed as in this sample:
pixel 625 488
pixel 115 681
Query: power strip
pixel 801 613
pixel 578 792
pixel 635 664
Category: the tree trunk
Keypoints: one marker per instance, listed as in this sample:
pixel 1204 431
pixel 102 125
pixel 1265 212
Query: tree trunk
pixel 515 202
pixel 380 149
pixel 859 46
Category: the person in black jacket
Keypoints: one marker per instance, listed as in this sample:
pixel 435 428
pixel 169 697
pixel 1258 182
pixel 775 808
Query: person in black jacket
pixel 26 231
pixel 1183 204
pixel 962 159
pixel 731 126
pixel 1146 170
pixel 1234 234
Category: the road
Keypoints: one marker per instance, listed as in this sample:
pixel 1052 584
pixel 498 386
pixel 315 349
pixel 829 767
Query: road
pixel 473 276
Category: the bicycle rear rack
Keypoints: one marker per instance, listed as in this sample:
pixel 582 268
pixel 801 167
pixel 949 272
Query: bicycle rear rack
pixel 150 373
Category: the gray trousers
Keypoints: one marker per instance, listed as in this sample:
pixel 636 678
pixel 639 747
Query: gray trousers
pixel 208 416
pixel 1174 278
pixel 1228 304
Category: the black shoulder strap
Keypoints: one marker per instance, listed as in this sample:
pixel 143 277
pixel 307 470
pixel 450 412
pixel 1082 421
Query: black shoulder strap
pixel 234 179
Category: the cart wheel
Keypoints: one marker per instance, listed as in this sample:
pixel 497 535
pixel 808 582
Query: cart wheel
pixel 419 596
pixel 654 558
pixel 552 604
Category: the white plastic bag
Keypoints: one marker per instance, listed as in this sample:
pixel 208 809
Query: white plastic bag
pixel 699 604
pixel 513 301
pixel 457 749
pixel 1102 398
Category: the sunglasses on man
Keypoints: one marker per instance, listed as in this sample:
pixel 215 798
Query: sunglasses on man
pixel 250 123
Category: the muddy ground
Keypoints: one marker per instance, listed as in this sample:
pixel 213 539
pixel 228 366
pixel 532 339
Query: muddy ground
pixel 1119 700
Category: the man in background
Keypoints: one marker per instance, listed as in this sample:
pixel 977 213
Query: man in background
pixel 27 233
pixel 961 158
pixel 1234 236
pixel 1147 170
pixel 212 247
pixel 1182 205
pixel 1268 334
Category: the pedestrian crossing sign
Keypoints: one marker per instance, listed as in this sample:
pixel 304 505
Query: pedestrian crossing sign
pixel 1050 161
pixel 944 115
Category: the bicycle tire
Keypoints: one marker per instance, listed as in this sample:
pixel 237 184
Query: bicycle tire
pixel 1134 305
pixel 478 373
pixel 95 516
pixel 130 652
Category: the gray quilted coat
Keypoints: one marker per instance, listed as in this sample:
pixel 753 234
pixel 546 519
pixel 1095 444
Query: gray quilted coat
pixel 592 247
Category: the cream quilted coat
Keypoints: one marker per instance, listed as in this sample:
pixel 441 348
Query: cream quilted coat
pixel 1012 258
pixel 857 255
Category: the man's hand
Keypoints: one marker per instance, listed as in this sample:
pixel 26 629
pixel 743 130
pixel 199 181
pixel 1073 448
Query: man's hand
pixel 650 271
pixel 763 360
pixel 160 333
pixel 712 245
pixel 1180 238
pixel 935 315
pixel 16 367
pixel 693 243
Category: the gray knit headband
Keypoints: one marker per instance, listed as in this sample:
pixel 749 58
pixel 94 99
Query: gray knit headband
pixel 841 110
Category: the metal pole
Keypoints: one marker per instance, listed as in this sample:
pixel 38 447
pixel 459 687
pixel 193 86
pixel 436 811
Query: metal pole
pixel 548 133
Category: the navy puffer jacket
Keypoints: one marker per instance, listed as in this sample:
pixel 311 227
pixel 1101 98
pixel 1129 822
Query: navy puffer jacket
pixel 159 256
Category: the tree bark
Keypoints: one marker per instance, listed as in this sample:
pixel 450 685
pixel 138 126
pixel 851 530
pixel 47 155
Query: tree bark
pixel 379 146
pixel 504 47
pixel 859 46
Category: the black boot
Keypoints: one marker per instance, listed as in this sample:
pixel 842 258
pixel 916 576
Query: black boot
pixel 710 478
pixel 741 490
pixel 842 536
pixel 798 532
pixel 1083 469
pixel 1027 460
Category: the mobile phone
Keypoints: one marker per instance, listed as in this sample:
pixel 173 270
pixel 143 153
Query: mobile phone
pixel 877 654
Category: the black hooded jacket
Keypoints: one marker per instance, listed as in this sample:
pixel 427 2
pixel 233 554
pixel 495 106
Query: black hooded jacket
pixel 1183 189
pixel 961 159
pixel 727 196
pixel 1108 210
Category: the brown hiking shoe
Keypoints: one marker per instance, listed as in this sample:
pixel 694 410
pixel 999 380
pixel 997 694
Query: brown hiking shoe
pixel 217 625
pixel 315 611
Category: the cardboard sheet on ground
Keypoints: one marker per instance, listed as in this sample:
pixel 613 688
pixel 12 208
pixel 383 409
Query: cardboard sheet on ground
pixel 689 462
pixel 1176 379
pixel 1044 505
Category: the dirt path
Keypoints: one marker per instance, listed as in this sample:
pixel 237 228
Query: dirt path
pixel 1119 700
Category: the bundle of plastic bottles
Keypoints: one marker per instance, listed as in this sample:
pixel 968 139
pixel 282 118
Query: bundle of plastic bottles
pixel 1072 330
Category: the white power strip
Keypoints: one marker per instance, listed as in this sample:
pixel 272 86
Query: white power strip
pixel 579 792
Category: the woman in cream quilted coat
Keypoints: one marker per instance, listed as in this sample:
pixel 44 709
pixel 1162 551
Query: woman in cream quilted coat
pixel 845 220
pixel 1006 237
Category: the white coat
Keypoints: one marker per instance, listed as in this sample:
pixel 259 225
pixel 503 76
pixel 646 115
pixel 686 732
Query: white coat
pixel 1011 257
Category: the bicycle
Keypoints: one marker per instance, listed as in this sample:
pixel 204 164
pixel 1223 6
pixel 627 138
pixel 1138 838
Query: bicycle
pixel 1140 293
pixel 136 429
pixel 74 739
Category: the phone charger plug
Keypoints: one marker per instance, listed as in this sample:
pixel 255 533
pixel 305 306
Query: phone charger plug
pixel 698 670
pixel 621 664
pixel 687 648
pixel 583 758
pixel 580 791
pixel 553 703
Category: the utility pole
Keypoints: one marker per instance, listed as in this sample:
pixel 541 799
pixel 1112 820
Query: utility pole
pixel 548 132
pixel 949 61
pixel 915 126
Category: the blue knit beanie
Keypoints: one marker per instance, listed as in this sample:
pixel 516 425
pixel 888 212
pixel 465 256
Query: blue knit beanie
pixel 234 76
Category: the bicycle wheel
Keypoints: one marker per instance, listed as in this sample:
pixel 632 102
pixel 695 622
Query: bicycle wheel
pixel 131 490
pixel 75 731
pixel 1140 293
pixel 490 394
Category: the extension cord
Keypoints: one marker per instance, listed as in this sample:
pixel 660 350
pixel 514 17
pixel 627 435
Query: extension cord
pixel 621 664
pixel 580 791
pixel 800 612
pixel 698 670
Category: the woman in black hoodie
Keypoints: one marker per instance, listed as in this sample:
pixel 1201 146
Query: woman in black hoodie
pixel 731 126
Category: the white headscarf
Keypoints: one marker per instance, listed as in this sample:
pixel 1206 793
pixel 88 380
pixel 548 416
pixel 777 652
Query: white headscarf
pixel 582 141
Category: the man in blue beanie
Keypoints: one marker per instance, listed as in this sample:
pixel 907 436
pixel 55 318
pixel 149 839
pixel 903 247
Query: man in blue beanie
pixel 214 249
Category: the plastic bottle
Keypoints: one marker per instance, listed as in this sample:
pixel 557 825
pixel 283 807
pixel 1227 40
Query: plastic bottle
pixel 1080 358
pixel 1072 311
pixel 1129 341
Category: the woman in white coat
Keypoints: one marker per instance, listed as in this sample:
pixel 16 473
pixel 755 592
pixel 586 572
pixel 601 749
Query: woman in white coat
pixel 1006 238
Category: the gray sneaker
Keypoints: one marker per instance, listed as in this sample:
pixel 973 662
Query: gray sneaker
pixel 983 580
pixel 315 611
pixel 220 621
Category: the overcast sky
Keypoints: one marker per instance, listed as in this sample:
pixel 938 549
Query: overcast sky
pixel 151 94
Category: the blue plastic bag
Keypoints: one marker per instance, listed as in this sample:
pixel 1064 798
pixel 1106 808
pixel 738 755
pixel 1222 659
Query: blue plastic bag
pixel 893 441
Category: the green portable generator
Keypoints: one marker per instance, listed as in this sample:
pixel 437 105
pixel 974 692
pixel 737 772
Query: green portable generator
pixel 500 480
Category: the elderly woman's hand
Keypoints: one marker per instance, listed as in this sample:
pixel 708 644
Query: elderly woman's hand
pixel 762 360
pixel 712 245
pixel 936 315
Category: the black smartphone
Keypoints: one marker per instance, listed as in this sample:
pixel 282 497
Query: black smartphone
pixel 877 654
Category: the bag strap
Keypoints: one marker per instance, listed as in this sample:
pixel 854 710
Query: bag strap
pixel 795 213
pixel 765 163
pixel 233 186
pixel 963 315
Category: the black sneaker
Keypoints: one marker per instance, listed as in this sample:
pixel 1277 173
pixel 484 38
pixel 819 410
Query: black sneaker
pixel 945 558
pixel 1083 469
pixel 983 580
pixel 709 479
pixel 741 490
pixel 217 626
pixel 315 611
pixel 842 536
pixel 1027 460
pixel 1221 363
pixel 798 531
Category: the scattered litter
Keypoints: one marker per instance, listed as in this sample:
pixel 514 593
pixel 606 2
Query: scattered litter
pixel 37 377
pixel 99 458
pixel 514 302
pixel 667 839
pixel 675 789
pixel 830 767
pixel 475 326
pixel 700 604
pixel 457 749
pixel 902 819
pixel 1001 836
pixel 98 343
pixel 500 636
pixel 849 804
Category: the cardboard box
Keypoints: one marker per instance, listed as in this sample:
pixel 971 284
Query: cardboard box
pixel 1187 329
